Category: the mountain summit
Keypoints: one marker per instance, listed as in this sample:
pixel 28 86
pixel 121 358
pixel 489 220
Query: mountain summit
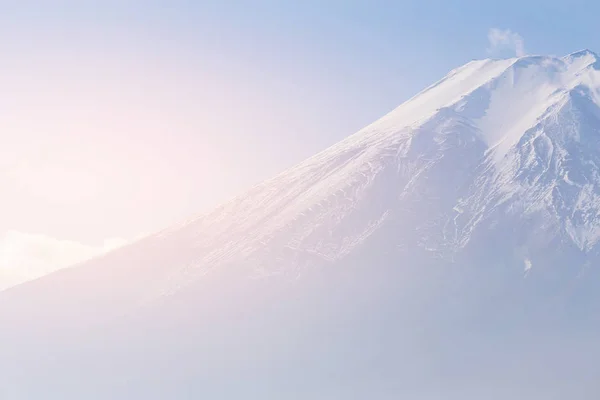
pixel 419 257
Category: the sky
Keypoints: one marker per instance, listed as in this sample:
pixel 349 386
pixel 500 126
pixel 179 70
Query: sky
pixel 120 118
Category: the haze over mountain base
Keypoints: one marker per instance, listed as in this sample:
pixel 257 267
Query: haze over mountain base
pixel 449 250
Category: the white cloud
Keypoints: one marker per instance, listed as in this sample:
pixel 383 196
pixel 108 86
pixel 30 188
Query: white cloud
pixel 25 256
pixel 504 41
pixel 528 265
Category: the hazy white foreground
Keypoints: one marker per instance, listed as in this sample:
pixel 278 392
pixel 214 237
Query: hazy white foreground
pixel 449 250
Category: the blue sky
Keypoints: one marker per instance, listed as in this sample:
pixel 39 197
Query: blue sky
pixel 121 117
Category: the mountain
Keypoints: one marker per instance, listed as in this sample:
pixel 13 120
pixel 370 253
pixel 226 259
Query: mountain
pixel 448 250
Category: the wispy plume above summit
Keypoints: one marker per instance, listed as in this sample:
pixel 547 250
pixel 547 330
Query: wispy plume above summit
pixel 505 41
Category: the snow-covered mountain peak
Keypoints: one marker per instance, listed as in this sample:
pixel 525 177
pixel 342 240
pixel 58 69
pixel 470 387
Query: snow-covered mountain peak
pixel 493 145
pixel 475 205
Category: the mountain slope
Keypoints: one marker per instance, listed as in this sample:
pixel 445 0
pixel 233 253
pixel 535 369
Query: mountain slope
pixel 463 226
